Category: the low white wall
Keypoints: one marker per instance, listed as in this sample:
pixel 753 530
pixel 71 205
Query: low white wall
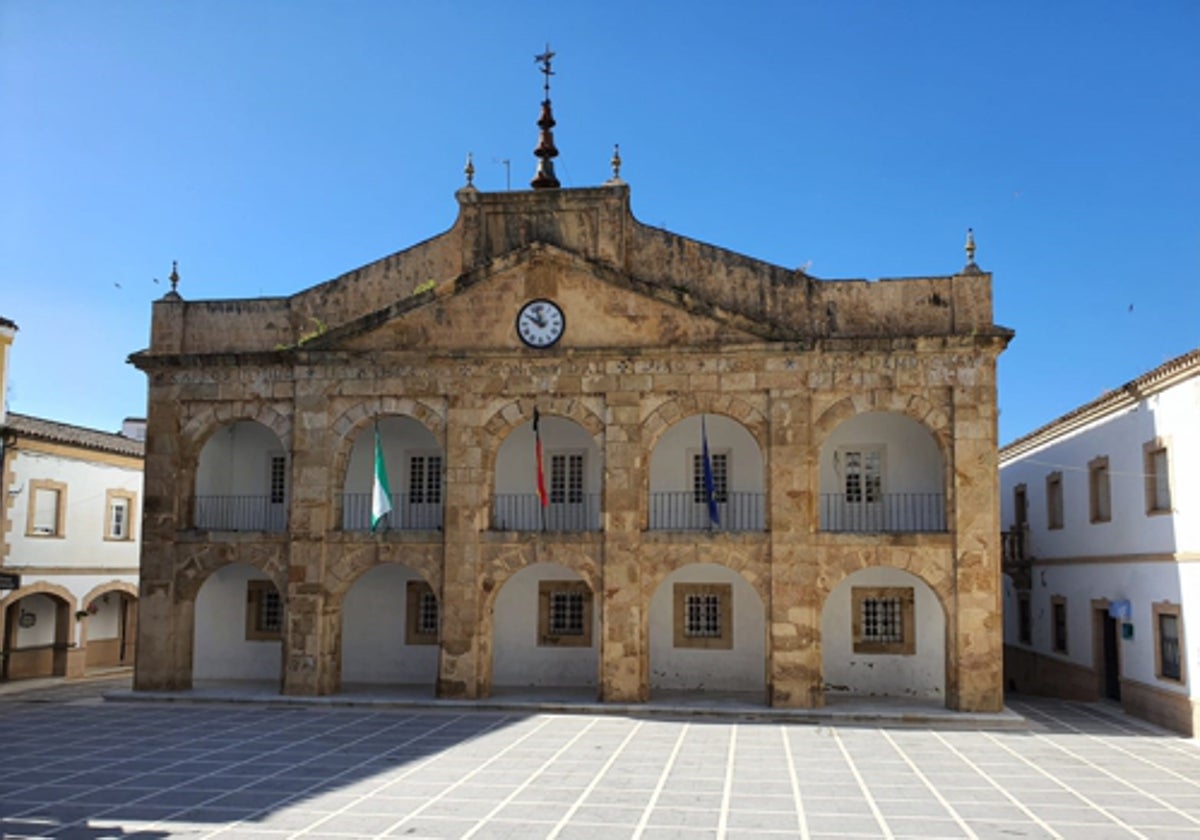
pixel 922 674
pixel 374 615
pixel 517 660
pixel 741 668
pixel 221 651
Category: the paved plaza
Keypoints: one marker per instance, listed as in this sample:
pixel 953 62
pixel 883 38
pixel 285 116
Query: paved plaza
pixel 74 766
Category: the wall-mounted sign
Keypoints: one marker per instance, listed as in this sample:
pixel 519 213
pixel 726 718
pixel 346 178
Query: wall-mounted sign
pixel 9 581
pixel 27 619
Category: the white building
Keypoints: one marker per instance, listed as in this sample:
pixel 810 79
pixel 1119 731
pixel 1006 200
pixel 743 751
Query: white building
pixel 1102 519
pixel 69 543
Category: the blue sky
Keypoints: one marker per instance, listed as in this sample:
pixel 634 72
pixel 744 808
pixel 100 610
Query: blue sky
pixel 269 145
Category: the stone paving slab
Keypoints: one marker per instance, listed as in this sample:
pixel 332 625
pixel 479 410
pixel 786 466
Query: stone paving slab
pixel 87 769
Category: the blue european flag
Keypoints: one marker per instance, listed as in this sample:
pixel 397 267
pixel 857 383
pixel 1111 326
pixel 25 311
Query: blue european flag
pixel 710 489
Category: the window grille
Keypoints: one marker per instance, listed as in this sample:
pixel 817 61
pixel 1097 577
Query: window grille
pixel 702 617
pixel 566 613
pixel 566 478
pixel 270 611
pixel 1168 646
pixel 278 479
pixel 427 614
pixel 882 620
pixel 425 479
pixel 720 473
pixel 864 475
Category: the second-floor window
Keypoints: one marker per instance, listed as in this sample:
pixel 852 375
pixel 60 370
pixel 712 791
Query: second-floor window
pixel 1099 491
pixel 1158 477
pixel 425 479
pixel 566 478
pixel 720 474
pixel 862 471
pixel 277 479
pixel 1054 501
pixel 47 508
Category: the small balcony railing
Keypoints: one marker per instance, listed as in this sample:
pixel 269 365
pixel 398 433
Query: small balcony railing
pixel 683 511
pixel 240 513
pixel 406 515
pixel 524 512
pixel 1013 546
pixel 891 513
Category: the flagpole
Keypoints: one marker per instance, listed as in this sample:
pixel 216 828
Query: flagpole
pixel 543 499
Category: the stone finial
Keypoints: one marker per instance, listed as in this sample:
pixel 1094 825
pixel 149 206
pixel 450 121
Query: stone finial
pixel 174 278
pixel 970 246
pixel 469 170
pixel 615 163
pixel 545 152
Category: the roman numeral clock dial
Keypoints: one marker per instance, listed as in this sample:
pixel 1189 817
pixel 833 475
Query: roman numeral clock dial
pixel 540 323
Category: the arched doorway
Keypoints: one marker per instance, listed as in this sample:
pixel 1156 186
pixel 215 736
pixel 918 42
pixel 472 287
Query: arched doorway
pixel 240 618
pixel 37 636
pixel 390 621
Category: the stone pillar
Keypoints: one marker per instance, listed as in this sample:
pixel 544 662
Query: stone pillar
pixel 624 646
pixel 794 613
pixel 975 644
pixel 460 674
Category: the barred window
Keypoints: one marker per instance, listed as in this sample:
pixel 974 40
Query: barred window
pixel 883 620
pixel 278 479
pixel 703 615
pixel 427 614
pixel 421 614
pixel 564 613
pixel 1168 641
pixel 264 611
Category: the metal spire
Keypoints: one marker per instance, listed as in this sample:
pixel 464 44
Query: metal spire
pixel 545 151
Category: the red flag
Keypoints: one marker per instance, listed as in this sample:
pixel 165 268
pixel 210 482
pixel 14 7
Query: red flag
pixel 543 496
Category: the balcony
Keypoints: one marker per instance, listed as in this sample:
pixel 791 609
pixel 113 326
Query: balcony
pixel 240 513
pixel 524 512
pixel 682 511
pixel 892 513
pixel 406 515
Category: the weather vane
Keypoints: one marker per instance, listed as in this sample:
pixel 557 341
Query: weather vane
pixel 544 60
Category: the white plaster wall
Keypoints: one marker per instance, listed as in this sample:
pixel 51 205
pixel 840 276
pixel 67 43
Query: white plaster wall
pixel 221 651
pixel 44 609
pixel 912 462
pixel 516 461
pixel 1174 415
pixel 400 437
pixel 105 623
pixel 517 660
pixel 922 674
pixel 236 460
pixel 374 614
pixel 83 542
pixel 741 668
pixel 671 460
pixel 1142 584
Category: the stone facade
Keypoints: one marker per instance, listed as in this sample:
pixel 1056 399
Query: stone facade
pixel 659 328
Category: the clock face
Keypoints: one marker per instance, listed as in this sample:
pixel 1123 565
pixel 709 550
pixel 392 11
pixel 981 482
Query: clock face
pixel 540 323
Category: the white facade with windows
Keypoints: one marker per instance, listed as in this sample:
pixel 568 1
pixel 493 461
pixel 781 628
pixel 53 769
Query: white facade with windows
pixel 70 542
pixel 1102 515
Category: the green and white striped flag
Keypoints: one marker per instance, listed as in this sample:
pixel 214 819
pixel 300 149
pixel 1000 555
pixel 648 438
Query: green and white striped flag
pixel 381 491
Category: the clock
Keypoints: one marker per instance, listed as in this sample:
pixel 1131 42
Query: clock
pixel 540 323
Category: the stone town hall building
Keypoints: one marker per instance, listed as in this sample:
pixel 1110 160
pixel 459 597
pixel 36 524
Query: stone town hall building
pixel 851 437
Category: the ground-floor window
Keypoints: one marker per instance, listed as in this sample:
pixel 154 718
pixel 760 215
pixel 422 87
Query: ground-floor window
pixel 1168 635
pixel 264 611
pixel 564 613
pixel 421 614
pixel 882 619
pixel 703 615
pixel 1024 619
pixel 1058 630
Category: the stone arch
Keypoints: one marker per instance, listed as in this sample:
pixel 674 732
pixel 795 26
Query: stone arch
pixel 40 588
pixel 193 572
pixel 112 586
pixel 205 422
pixel 687 405
pixel 518 412
pixel 356 561
pixel 916 407
pixel 504 568
pixel 349 423
pixel 754 570
pixel 851 562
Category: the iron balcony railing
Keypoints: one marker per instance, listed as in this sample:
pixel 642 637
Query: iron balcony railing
pixel 406 515
pixel 240 513
pixel 890 513
pixel 524 512
pixel 685 511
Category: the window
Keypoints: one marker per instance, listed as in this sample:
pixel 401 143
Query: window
pixel 882 620
pixel 720 474
pixel 1058 637
pixel 278 479
pixel 564 613
pixel 1158 476
pixel 703 615
pixel 1168 638
pixel 863 475
pixel 1099 491
pixel 1054 501
pixel 566 478
pixel 119 515
pixel 425 479
pixel 264 611
pixel 1020 507
pixel 1024 619
pixel 421 615
pixel 47 508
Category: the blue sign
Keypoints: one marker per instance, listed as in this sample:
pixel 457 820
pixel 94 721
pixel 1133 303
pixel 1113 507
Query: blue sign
pixel 1122 610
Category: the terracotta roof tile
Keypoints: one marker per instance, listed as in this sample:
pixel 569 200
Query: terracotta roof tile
pixel 55 432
